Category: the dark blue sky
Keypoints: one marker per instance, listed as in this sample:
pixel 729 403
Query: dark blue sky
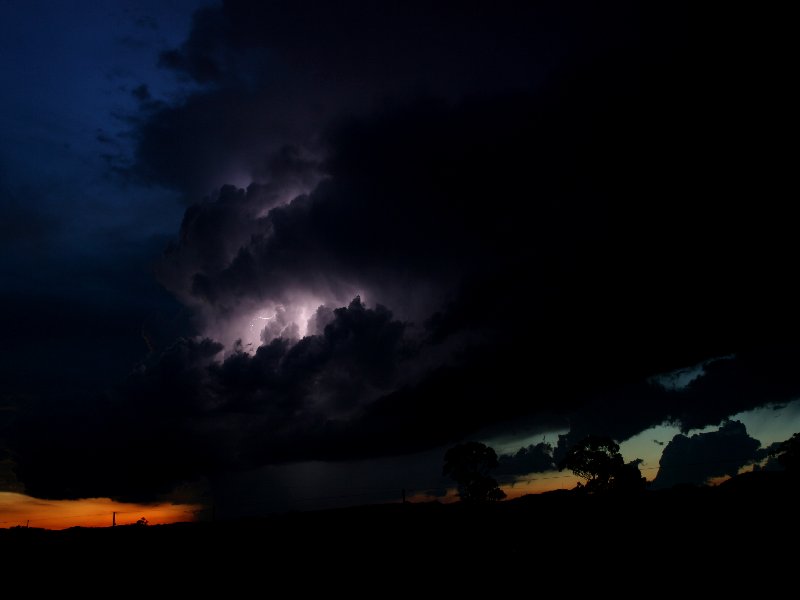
pixel 78 235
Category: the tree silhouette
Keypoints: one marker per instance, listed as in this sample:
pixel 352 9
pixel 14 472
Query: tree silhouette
pixel 788 454
pixel 597 459
pixel 469 464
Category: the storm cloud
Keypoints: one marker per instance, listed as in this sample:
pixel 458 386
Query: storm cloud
pixel 405 241
pixel 278 72
pixel 580 205
pixel 722 387
pixel 535 458
pixel 703 456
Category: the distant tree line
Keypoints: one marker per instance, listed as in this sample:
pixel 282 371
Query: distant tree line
pixel 595 459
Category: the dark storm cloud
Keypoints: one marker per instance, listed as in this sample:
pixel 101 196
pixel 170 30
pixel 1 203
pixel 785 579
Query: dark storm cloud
pixel 535 458
pixel 357 41
pixel 727 386
pixel 214 232
pixel 181 416
pixel 572 202
pixel 69 326
pixel 338 395
pixel 703 456
pixel 341 394
pixel 134 445
pixel 277 72
pixel 527 212
pixel 359 349
pixel 598 199
pixel 770 455
pixel 753 377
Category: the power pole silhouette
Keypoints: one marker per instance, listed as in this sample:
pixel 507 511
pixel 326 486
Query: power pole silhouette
pixel 113 519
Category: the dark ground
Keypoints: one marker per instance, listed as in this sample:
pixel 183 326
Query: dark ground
pixel 745 530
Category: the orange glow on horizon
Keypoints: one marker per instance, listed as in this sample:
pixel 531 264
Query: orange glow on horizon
pixel 539 484
pixel 425 496
pixel 19 509
pixel 546 482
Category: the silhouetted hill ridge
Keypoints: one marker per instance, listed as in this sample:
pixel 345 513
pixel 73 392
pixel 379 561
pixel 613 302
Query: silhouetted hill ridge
pixel 557 532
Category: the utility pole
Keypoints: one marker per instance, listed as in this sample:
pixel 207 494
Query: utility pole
pixel 114 519
pixel 404 495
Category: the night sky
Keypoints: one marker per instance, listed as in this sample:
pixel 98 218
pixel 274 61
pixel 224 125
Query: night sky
pixel 270 255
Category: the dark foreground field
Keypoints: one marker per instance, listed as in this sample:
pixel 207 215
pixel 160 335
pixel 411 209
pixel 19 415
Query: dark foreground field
pixel 743 530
